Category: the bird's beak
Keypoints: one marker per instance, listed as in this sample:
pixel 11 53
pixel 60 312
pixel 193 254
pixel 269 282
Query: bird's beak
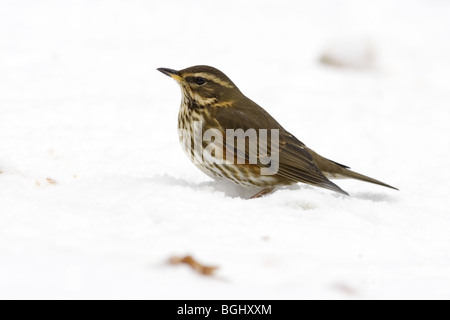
pixel 171 73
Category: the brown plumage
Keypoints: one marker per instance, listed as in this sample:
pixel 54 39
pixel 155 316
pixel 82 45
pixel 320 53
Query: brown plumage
pixel 210 97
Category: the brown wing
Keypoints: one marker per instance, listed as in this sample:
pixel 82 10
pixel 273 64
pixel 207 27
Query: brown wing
pixel 295 162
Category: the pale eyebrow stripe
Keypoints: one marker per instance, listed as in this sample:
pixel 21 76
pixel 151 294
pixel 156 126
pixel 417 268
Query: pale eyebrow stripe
pixel 210 77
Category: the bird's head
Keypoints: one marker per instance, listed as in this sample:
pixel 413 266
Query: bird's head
pixel 204 85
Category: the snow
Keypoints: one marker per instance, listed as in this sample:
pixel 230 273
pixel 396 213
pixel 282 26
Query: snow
pixel 81 104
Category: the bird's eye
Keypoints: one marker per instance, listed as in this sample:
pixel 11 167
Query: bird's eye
pixel 200 81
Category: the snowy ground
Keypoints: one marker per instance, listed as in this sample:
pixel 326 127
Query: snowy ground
pixel 81 105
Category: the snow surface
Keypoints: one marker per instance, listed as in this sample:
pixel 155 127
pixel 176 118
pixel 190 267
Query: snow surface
pixel 81 104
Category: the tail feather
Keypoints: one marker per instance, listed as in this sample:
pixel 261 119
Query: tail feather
pixel 333 169
pixel 354 175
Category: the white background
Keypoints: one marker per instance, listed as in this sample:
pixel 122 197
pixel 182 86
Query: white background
pixel 81 103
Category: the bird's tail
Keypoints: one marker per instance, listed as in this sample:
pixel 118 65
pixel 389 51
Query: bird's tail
pixel 347 173
pixel 336 170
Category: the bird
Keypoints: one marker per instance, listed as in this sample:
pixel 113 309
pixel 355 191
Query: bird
pixel 211 101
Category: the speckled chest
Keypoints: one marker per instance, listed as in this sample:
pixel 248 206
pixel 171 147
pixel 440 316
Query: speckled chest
pixel 190 130
pixel 191 122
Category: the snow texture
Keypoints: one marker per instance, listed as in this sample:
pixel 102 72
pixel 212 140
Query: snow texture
pixel 95 191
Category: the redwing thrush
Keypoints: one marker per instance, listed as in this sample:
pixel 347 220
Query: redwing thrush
pixel 212 100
